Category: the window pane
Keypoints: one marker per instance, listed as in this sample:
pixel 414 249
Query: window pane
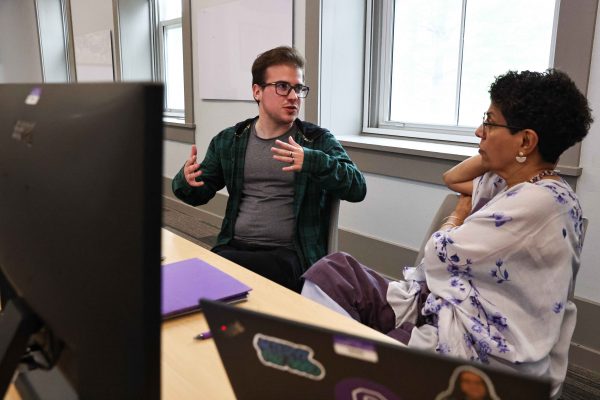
pixel 174 67
pixel 169 9
pixel 501 35
pixel 425 61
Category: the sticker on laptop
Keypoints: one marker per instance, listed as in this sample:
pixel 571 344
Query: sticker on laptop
pixel 469 383
pixel 363 389
pixel 34 96
pixel 355 348
pixel 288 356
pixel 23 132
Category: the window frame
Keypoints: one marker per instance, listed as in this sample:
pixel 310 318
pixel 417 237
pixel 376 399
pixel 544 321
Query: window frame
pixel 179 126
pixel 422 156
pixel 162 64
pixel 378 76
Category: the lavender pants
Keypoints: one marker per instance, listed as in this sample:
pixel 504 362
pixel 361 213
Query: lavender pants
pixel 360 292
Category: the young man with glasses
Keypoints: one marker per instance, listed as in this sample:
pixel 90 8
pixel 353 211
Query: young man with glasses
pixel 281 175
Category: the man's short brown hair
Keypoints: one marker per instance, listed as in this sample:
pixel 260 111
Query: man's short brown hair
pixel 282 55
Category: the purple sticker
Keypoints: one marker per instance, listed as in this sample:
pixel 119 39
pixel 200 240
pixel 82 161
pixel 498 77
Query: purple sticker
pixel 34 96
pixel 358 343
pixel 362 389
pixel 355 348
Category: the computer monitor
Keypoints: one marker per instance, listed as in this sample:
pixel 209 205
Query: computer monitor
pixel 80 217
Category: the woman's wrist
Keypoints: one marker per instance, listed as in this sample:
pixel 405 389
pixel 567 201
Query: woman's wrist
pixel 451 221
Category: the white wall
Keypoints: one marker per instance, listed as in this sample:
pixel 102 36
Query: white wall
pixel 342 49
pixel 19 46
pixel 588 186
pixel 396 211
pixel 91 16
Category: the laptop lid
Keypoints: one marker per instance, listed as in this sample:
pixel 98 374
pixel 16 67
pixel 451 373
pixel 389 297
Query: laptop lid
pixel 270 357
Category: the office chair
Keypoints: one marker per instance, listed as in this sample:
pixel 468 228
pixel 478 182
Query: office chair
pixel 6 291
pixel 332 237
pixel 584 226
pixel 447 206
pixel 571 296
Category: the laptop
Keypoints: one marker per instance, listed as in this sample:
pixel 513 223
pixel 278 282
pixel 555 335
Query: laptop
pixel 267 357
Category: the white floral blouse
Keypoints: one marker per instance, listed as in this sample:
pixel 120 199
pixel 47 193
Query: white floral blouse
pixel 500 283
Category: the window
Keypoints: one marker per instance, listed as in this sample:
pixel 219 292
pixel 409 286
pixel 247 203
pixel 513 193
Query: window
pixel 169 56
pixel 431 62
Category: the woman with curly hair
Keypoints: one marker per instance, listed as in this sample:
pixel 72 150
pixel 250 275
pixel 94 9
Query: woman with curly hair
pixel 496 279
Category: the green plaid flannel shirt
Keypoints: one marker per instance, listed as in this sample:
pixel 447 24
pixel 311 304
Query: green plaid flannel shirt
pixel 327 172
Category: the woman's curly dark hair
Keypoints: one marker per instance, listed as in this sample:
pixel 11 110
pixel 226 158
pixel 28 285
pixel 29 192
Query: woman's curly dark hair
pixel 547 102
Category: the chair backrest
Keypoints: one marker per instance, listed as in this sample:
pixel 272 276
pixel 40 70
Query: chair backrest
pixel 332 239
pixel 447 206
pixel 584 225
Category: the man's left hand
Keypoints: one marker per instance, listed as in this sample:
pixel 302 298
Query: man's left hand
pixel 290 153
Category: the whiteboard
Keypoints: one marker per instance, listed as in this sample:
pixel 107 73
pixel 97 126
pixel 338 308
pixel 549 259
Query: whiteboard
pixel 93 56
pixel 230 36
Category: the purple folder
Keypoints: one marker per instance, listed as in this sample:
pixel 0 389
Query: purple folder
pixel 185 282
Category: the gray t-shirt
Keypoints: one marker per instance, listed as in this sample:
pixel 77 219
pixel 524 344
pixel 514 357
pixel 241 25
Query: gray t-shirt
pixel 266 215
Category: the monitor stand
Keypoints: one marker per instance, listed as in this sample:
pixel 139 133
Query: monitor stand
pixel 6 291
pixel 17 324
pixel 38 384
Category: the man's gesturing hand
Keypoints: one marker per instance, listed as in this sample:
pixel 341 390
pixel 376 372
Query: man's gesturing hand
pixel 191 169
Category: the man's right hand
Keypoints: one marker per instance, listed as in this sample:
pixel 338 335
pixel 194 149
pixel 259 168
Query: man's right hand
pixel 191 170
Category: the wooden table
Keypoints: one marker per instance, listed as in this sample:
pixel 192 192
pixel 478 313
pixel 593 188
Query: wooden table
pixel 185 374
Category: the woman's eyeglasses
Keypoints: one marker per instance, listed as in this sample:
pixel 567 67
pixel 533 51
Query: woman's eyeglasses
pixel 486 125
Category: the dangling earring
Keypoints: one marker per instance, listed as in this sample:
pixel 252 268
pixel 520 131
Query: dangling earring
pixel 521 158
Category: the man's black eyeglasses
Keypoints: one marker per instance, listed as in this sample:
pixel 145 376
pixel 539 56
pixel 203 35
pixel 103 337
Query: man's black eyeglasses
pixel 283 88
pixel 485 124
